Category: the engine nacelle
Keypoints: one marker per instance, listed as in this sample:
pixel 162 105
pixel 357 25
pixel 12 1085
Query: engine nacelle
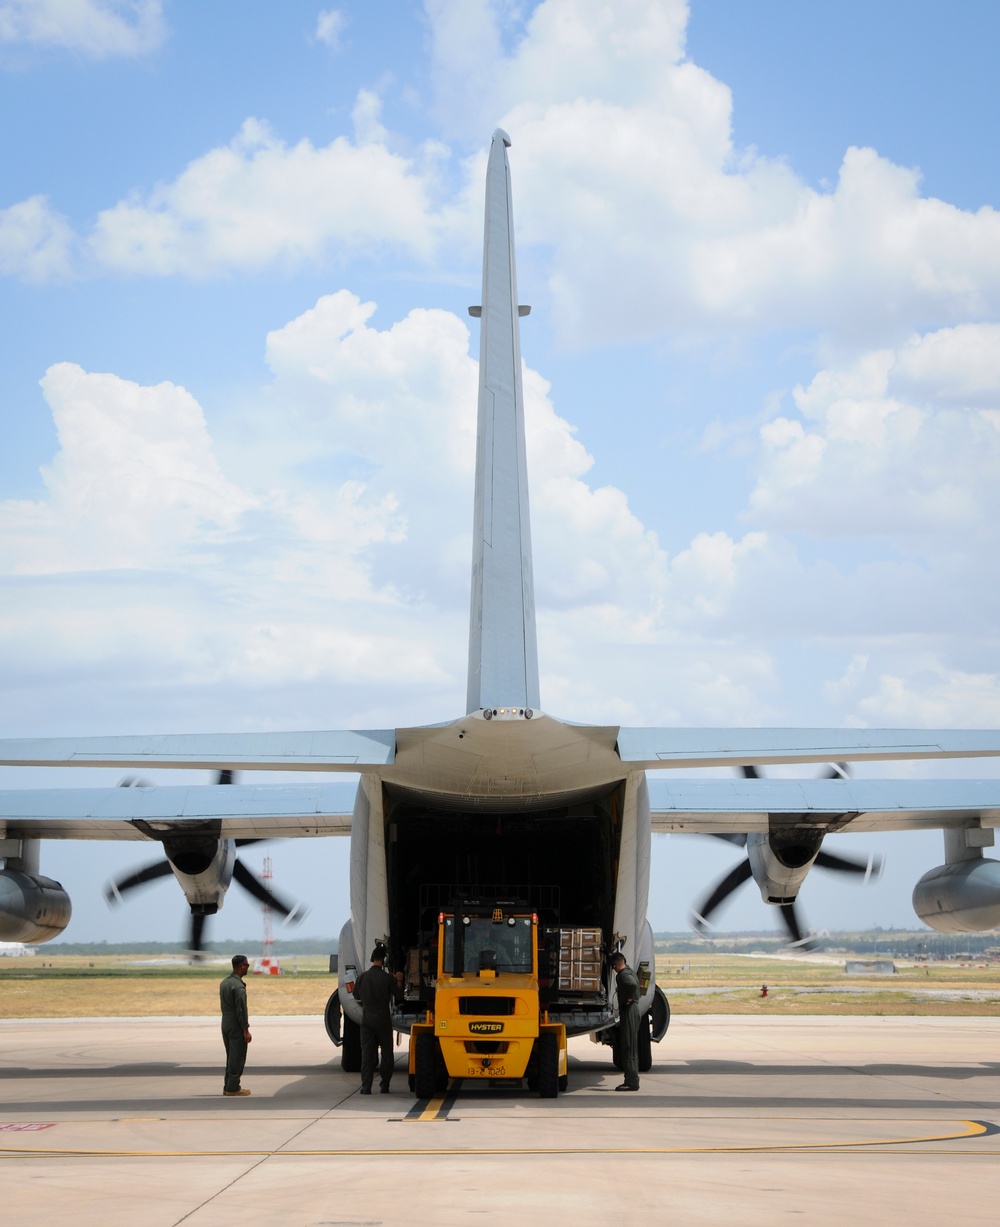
pixel 32 908
pixel 963 897
pixel 204 868
pixel 780 861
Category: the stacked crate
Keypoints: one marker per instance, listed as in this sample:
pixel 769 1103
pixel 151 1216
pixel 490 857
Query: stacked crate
pixel 580 960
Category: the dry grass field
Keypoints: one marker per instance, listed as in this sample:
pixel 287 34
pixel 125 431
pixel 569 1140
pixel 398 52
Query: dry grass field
pixel 81 986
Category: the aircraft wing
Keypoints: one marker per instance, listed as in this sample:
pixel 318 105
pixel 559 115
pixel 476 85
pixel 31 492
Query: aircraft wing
pixel 236 811
pixel 656 749
pixel 307 751
pixel 739 805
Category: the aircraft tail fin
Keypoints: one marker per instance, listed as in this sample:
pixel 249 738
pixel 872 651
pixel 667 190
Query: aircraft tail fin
pixel 503 654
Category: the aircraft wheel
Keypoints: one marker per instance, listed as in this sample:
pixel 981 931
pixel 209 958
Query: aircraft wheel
pixel 548 1065
pixel 333 1019
pixel 645 1052
pixel 350 1053
pixel 424 1062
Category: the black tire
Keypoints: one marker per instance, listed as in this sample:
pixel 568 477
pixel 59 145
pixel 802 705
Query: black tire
pixel 411 1082
pixel 645 1050
pixel 547 1047
pixel 424 1065
pixel 350 1052
pixel 333 1019
pixel 659 1015
pixel 563 1083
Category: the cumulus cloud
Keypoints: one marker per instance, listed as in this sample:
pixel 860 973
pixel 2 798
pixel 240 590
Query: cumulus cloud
pixel 627 185
pixel 343 554
pixel 36 243
pixel 630 178
pixel 98 28
pixel 258 201
pixel 340 558
pixel 901 443
pixel 134 476
pixel 329 27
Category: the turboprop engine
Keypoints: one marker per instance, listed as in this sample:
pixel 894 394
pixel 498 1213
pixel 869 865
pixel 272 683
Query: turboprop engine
pixel 963 895
pixel 960 898
pixel 32 908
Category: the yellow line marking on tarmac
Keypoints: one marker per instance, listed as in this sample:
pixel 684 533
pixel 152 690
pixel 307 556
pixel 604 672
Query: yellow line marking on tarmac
pixel 972 1129
pixel 434 1106
pixel 435 1109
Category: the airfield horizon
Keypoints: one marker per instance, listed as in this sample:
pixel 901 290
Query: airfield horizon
pixel 122 986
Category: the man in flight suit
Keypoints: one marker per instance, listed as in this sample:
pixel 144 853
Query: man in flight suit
pixel 376 990
pixel 235 1024
pixel 628 1026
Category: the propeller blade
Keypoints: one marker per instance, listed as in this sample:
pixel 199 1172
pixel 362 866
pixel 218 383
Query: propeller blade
pixel 292 912
pixel 736 877
pixel 149 873
pixel 195 944
pixel 870 867
pixel 790 915
pixel 750 773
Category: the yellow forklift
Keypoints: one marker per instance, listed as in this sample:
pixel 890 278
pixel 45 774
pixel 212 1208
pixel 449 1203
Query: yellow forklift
pixel 485 1019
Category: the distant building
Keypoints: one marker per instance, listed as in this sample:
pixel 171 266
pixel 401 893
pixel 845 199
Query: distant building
pixel 870 967
pixel 15 950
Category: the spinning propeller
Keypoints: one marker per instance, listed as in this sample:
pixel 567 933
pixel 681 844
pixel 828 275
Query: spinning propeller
pixel 204 865
pixel 783 856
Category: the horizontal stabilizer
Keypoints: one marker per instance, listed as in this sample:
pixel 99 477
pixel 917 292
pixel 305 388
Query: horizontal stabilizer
pixel 308 751
pixel 662 748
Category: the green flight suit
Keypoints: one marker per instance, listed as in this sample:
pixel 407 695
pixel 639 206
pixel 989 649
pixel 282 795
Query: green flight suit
pixel 235 1022
pixel 376 989
pixel 628 1026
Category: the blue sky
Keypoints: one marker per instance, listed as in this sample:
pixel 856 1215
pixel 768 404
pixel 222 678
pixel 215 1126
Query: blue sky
pixel 763 377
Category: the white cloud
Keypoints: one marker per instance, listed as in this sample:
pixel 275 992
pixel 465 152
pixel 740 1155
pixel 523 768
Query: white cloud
pixel 627 172
pixel 36 243
pixel 883 448
pixel 627 182
pixel 934 697
pixel 258 201
pixel 329 27
pixel 134 478
pixel 98 28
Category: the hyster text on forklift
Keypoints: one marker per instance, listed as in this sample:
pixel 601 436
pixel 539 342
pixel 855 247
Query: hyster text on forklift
pixel 485 1015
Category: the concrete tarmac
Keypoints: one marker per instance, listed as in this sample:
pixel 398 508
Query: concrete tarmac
pixel 742 1121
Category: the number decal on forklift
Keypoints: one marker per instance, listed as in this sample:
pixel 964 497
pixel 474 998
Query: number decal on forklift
pixel 491 1071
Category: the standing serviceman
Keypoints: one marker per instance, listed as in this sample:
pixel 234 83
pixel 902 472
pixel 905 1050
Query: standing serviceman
pixel 376 990
pixel 235 1024
pixel 628 1026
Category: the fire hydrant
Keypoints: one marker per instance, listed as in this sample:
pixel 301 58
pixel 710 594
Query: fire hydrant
pixel 763 990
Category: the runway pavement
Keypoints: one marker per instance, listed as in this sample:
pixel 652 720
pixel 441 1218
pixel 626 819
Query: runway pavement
pixel 742 1121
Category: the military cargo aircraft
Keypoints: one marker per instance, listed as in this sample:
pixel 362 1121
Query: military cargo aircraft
pixel 506 800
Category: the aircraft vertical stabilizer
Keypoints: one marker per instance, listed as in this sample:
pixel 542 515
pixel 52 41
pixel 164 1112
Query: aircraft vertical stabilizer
pixel 503 655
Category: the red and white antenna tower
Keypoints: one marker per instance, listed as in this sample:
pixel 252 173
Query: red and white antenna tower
pixel 267 964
